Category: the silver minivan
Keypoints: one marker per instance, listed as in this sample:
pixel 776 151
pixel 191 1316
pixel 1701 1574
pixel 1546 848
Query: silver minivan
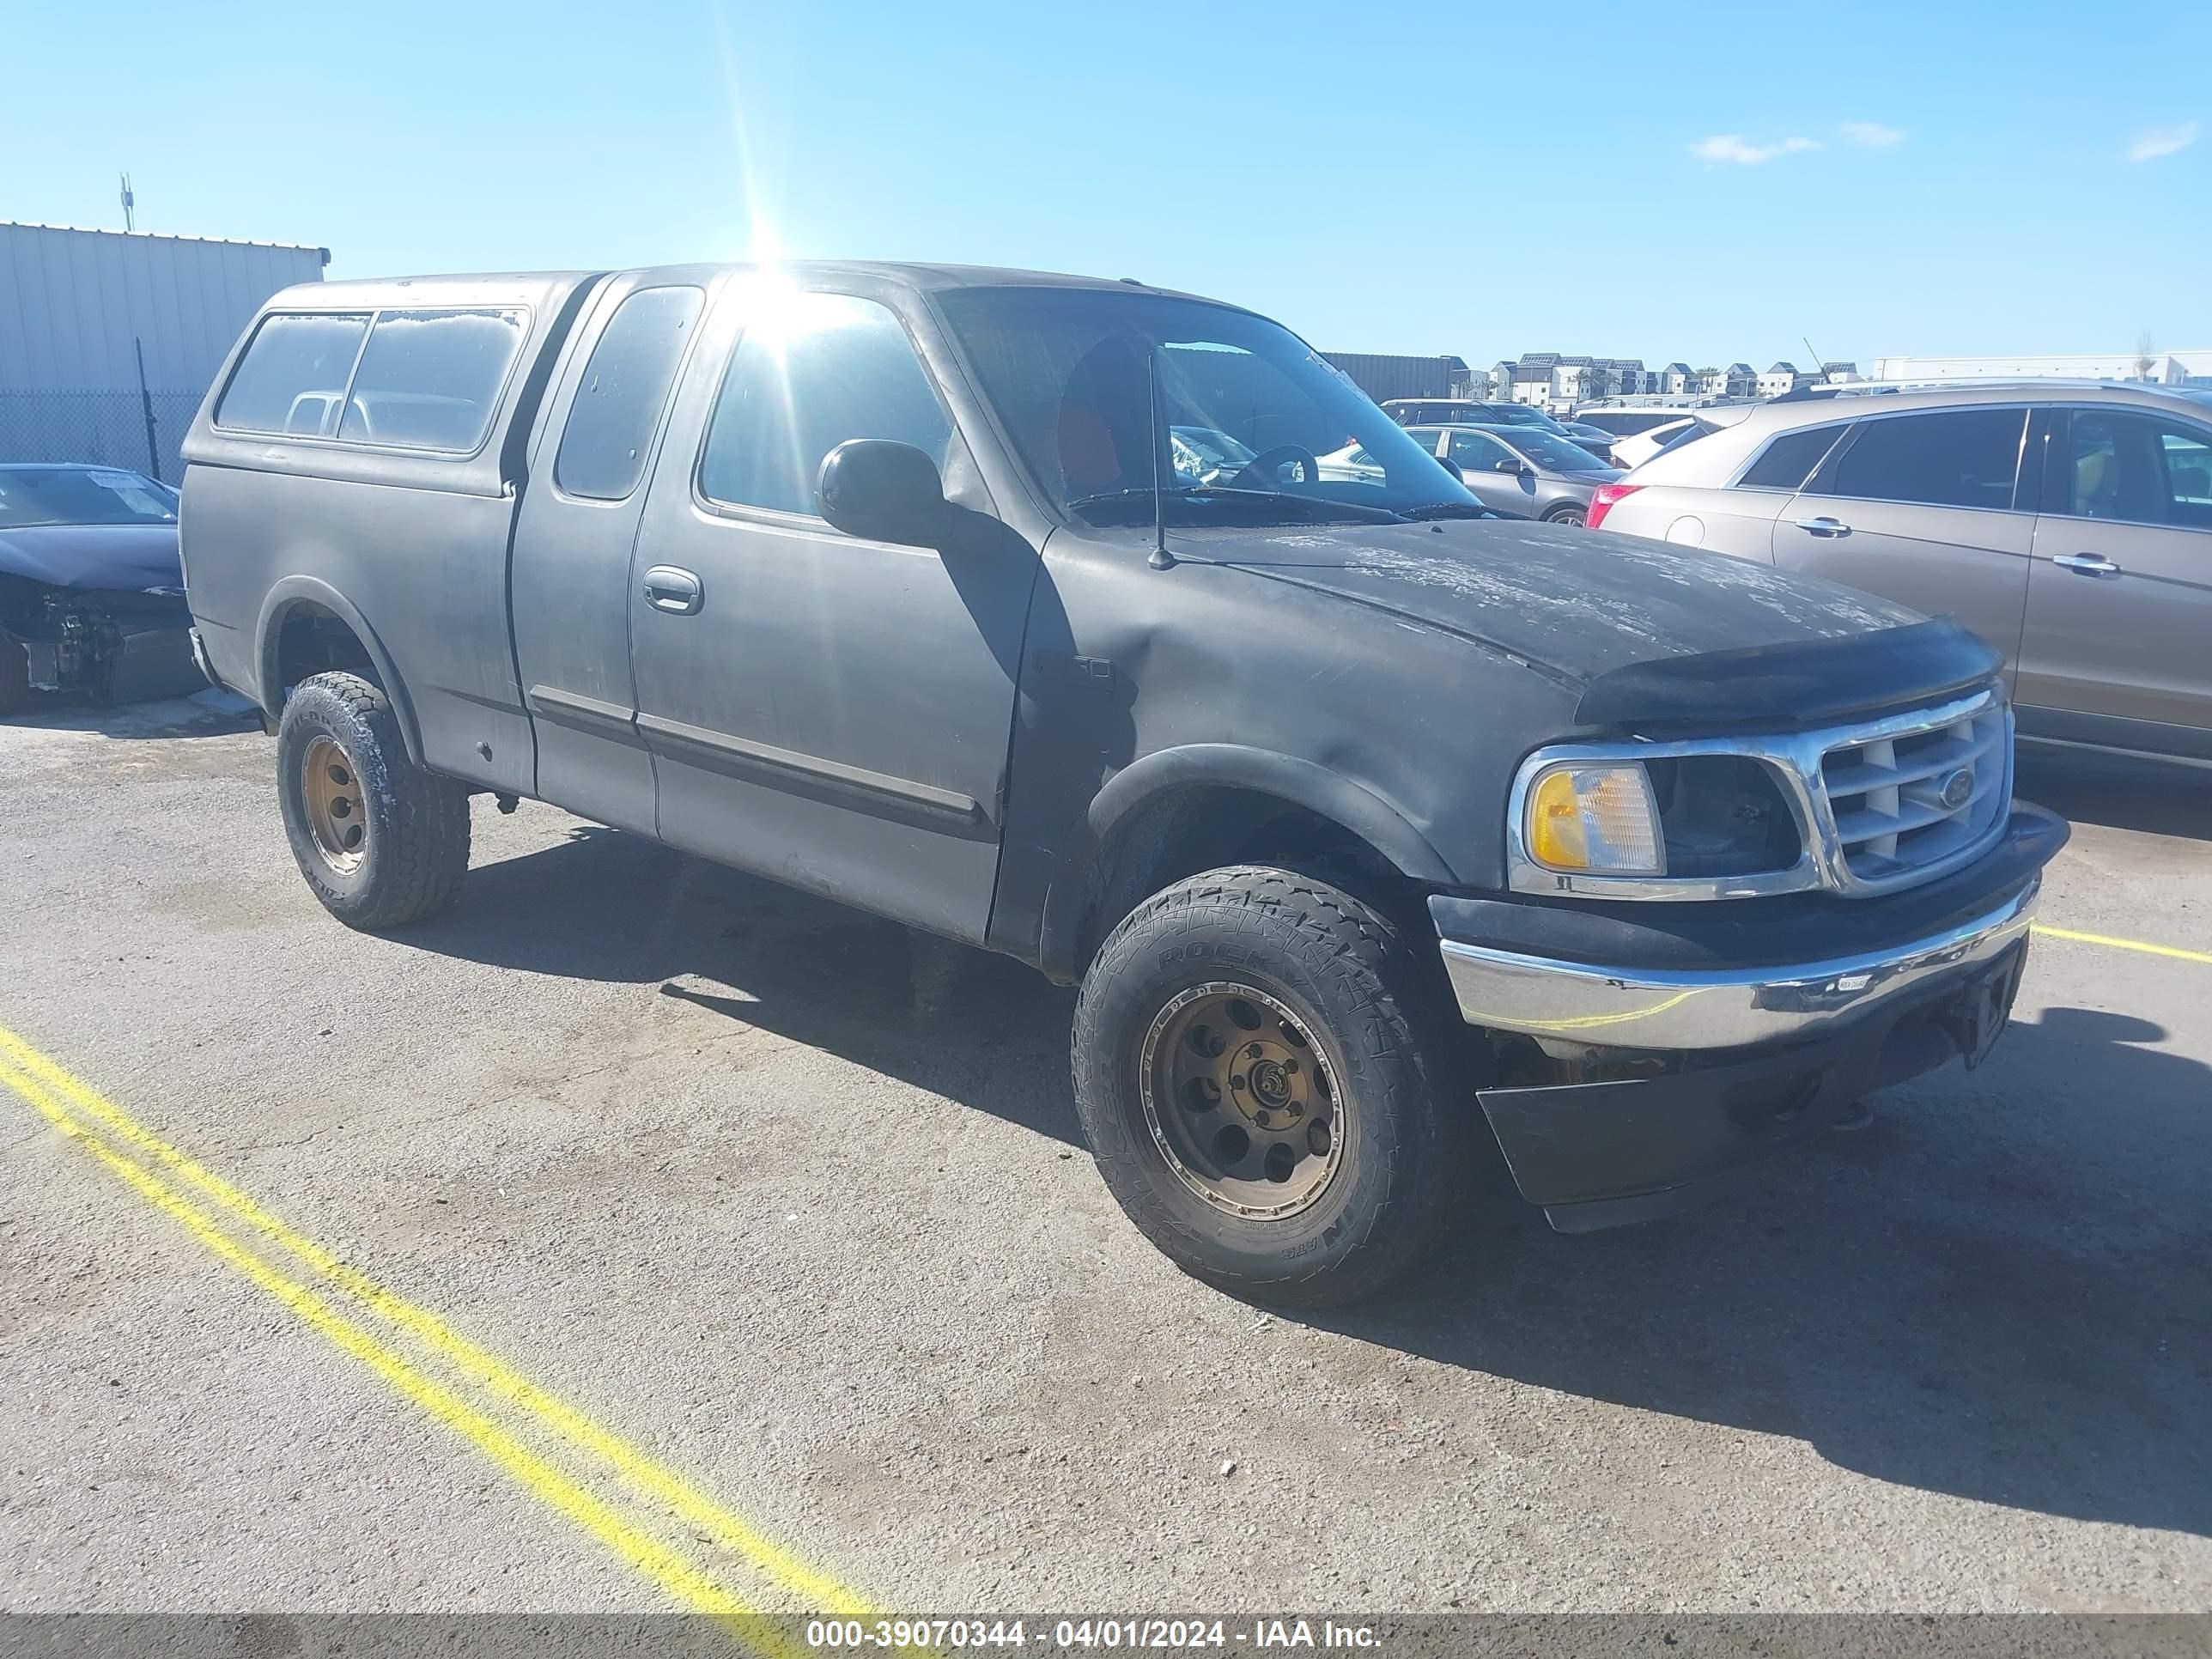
pixel 2068 524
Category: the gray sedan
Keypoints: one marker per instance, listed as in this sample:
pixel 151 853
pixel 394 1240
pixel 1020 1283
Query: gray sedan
pixel 1520 472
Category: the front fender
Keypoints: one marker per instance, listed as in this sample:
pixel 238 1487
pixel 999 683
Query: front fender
pixel 1300 783
pixel 1294 781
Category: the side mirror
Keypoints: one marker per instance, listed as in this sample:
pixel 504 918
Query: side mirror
pixel 882 491
pixel 1509 465
pixel 1452 467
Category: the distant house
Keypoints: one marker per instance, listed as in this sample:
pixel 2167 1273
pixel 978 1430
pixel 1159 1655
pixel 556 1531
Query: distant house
pixel 1736 380
pixel 1781 378
pixel 1839 372
pixel 1678 380
pixel 1532 377
pixel 1577 380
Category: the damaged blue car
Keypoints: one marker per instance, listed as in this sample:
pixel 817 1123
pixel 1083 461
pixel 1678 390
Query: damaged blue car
pixel 92 591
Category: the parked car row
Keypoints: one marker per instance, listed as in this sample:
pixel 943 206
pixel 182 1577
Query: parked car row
pixel 1458 412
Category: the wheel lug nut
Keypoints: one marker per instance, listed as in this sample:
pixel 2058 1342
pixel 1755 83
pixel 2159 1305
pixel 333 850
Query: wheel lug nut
pixel 1262 1119
pixel 1290 1066
pixel 1237 1082
pixel 1253 1051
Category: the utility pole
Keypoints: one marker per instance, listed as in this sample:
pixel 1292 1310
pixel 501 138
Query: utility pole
pixel 146 407
pixel 129 202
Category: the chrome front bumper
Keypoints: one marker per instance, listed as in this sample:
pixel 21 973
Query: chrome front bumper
pixel 1680 1011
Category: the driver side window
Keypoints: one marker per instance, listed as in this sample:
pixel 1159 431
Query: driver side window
pixel 810 371
pixel 1476 453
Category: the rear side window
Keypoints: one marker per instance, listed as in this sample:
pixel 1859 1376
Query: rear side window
pixel 813 371
pixel 429 379
pixel 293 375
pixel 1787 462
pixel 1952 457
pixel 625 388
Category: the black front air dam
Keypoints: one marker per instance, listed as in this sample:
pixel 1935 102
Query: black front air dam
pixel 1606 1154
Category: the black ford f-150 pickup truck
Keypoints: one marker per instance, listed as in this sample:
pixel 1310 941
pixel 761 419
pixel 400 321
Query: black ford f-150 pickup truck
pixel 1347 805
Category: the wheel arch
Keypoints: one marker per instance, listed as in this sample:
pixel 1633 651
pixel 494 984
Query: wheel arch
pixel 1177 812
pixel 302 598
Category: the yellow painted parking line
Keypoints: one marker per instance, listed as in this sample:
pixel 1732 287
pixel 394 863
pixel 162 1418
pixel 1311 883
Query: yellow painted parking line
pixel 544 1481
pixel 2149 950
pixel 88 1117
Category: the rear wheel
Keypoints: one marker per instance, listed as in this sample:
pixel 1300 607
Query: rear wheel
pixel 1261 1075
pixel 1567 516
pixel 381 841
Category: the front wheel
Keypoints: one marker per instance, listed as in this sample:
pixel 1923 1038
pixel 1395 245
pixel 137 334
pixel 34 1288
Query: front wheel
pixel 1567 516
pixel 1259 1070
pixel 381 841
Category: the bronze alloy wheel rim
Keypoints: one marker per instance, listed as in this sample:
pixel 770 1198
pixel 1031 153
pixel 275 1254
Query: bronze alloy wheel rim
pixel 330 788
pixel 1242 1102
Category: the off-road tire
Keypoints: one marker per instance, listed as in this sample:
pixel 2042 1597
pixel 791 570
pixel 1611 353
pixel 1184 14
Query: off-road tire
pixel 1360 988
pixel 14 675
pixel 416 849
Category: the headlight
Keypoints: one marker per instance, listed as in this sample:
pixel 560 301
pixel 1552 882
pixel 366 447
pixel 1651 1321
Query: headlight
pixel 1594 818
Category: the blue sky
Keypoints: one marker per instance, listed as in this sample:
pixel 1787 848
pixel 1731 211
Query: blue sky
pixel 1704 181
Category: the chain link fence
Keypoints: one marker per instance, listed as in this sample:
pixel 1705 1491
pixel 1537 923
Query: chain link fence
pixel 108 428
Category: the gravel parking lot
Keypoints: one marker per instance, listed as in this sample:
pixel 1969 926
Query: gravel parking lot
pixel 784 1212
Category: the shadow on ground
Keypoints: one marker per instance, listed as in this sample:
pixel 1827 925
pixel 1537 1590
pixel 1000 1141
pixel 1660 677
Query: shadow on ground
pixel 2000 1291
pixel 2118 791
pixel 205 715
pixel 965 1023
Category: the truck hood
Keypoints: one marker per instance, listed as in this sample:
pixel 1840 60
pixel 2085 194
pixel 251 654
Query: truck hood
pixel 110 557
pixel 1579 604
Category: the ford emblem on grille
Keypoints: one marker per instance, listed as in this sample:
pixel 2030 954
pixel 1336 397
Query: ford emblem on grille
pixel 1957 788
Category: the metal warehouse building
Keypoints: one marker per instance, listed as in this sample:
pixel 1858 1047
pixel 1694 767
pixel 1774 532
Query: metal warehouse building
pixel 1383 377
pixel 81 310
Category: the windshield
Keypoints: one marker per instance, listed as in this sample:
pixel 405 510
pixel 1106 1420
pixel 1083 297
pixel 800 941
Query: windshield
pixel 81 494
pixel 1689 431
pixel 1261 429
pixel 1523 415
pixel 1555 454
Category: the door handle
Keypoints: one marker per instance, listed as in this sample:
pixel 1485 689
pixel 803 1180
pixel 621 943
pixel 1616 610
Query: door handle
pixel 1823 526
pixel 677 591
pixel 2086 564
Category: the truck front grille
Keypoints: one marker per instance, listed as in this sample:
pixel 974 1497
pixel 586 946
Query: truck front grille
pixel 1857 809
pixel 1918 790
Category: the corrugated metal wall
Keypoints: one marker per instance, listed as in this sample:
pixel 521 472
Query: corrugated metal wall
pixel 72 301
pixel 1383 377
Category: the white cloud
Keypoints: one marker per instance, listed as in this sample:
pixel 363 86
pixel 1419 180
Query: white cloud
pixel 1734 147
pixel 2162 141
pixel 1872 135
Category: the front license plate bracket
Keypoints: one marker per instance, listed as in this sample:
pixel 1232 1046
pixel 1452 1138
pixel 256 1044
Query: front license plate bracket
pixel 1977 1018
